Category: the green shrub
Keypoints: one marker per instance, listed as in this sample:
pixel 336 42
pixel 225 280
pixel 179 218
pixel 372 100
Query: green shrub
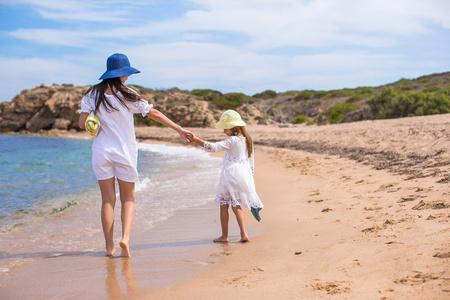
pixel 231 100
pixel 300 119
pixel 364 90
pixel 290 93
pixel 204 93
pixel 304 95
pixel 354 98
pixel 312 122
pixel 397 103
pixel 432 89
pixel 320 94
pixel 268 94
pixel 338 111
pixel 341 93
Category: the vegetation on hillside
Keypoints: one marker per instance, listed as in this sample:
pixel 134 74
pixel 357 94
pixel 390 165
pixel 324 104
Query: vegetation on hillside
pixel 422 96
pixel 398 103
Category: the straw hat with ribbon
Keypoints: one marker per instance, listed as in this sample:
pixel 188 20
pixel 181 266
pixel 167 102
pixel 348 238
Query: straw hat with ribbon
pixel 230 119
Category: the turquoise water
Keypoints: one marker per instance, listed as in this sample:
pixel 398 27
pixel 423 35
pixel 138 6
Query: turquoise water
pixel 50 200
pixel 35 169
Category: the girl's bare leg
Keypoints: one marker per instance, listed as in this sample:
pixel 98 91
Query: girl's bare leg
pixel 224 223
pixel 240 217
pixel 127 214
pixel 107 188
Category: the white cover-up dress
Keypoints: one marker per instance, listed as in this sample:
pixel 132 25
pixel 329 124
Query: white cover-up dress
pixel 114 149
pixel 236 185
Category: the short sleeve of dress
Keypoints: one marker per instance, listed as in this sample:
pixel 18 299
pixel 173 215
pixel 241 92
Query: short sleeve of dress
pixel 141 107
pixel 87 104
pixel 219 146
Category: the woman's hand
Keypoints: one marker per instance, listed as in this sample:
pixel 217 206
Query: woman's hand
pixel 82 120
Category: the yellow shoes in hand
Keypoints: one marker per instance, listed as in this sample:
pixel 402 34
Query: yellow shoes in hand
pixel 92 124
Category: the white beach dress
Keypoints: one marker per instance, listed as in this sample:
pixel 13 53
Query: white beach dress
pixel 236 185
pixel 114 149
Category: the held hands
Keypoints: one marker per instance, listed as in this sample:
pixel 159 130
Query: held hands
pixel 190 137
pixel 193 139
pixel 185 134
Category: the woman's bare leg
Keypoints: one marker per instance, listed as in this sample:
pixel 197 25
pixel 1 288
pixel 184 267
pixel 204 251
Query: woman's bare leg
pixel 108 190
pixel 240 217
pixel 224 223
pixel 127 214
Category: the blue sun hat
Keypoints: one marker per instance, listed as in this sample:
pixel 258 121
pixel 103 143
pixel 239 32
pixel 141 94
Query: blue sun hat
pixel 118 65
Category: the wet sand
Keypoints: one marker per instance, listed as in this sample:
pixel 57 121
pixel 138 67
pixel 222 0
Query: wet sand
pixel 169 253
pixel 352 211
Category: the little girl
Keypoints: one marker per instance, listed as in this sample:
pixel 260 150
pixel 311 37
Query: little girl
pixel 236 185
pixel 114 149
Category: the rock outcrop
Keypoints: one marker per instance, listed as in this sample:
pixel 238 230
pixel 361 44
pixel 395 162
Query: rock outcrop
pixel 43 107
pixel 55 107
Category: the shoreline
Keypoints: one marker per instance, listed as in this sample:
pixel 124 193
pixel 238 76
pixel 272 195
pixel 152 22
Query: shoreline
pixel 170 252
pixel 333 225
pixel 173 251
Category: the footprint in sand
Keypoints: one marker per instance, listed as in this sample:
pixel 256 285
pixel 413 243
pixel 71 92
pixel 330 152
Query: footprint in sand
pixel 315 193
pixel 408 198
pixel 221 254
pixel 419 278
pixel 346 178
pixel 436 216
pixel 387 187
pixel 440 204
pixel 332 288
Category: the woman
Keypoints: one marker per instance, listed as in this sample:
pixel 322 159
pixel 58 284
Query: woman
pixel 114 149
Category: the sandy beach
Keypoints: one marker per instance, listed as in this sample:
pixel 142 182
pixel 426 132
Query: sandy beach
pixel 352 211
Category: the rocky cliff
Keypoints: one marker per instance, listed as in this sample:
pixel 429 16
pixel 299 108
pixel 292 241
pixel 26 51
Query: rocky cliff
pixel 43 107
pixel 55 107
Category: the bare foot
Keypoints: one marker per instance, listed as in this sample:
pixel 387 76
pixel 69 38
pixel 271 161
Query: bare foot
pixel 125 249
pixel 110 252
pixel 244 240
pixel 221 239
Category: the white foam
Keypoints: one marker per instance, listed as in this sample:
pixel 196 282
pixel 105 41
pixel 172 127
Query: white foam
pixel 142 184
pixel 170 150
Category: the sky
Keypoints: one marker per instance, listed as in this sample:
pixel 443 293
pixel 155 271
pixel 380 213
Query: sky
pixel 246 46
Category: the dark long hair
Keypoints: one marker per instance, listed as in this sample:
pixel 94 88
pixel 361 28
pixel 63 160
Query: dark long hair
pixel 248 139
pixel 115 85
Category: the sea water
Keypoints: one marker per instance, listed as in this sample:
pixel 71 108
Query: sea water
pixel 50 200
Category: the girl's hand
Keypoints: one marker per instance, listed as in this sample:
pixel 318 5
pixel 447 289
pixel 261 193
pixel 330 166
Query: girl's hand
pixel 190 137
pixel 193 139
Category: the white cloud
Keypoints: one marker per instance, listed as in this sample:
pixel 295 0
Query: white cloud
pixel 235 46
pixel 86 10
pixel 268 24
